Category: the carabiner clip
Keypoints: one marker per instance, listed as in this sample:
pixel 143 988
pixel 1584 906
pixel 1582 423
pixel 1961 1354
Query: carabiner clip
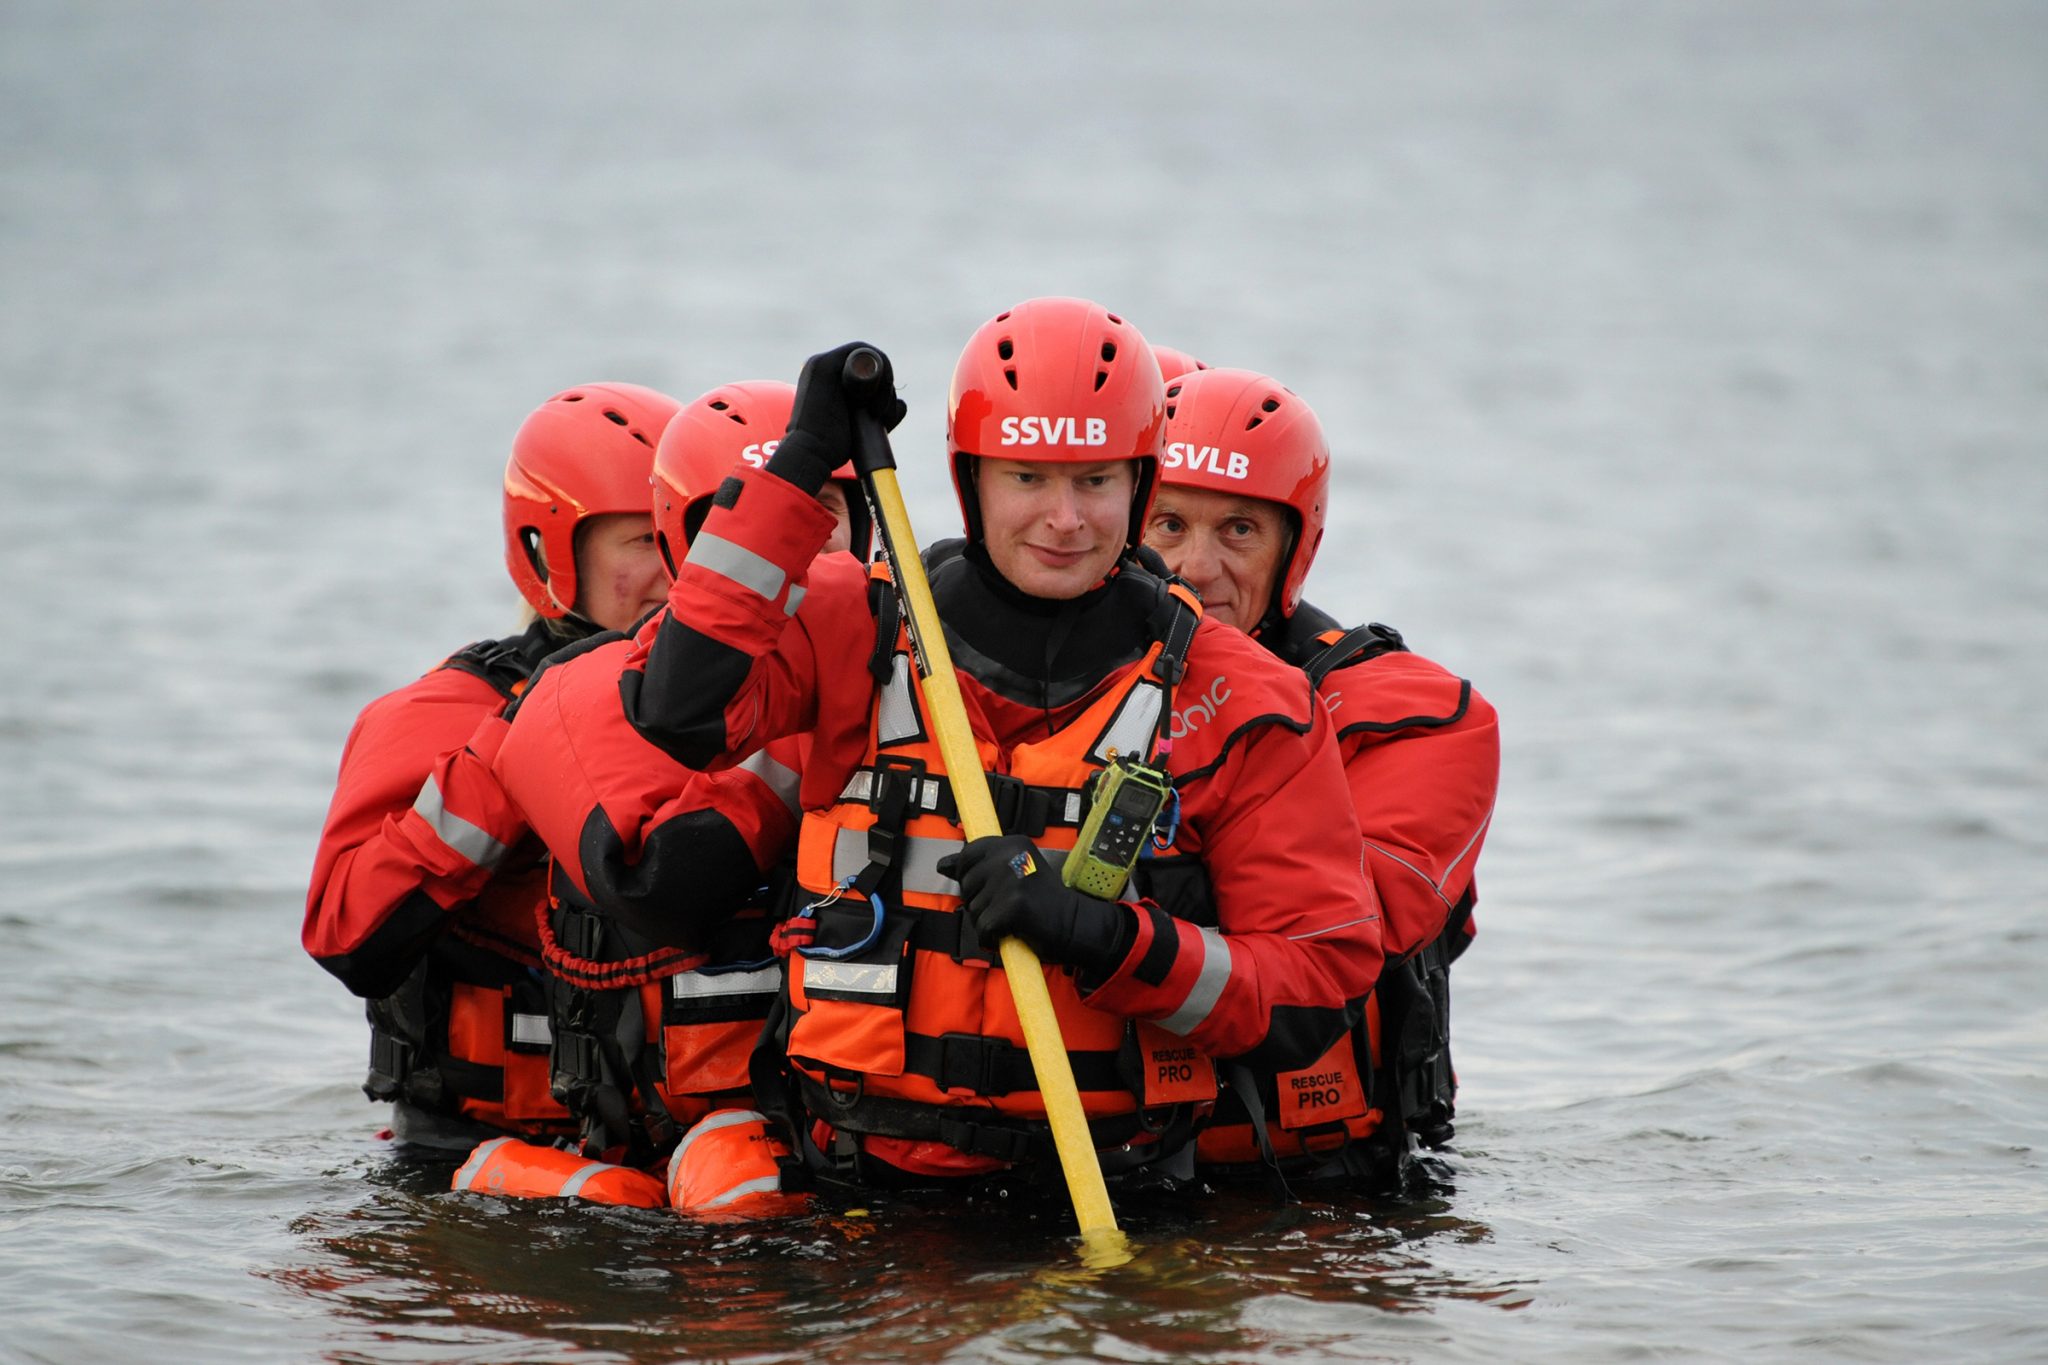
pixel 839 954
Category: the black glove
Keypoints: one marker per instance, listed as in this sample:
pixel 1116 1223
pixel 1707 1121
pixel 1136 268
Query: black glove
pixel 820 436
pixel 1009 889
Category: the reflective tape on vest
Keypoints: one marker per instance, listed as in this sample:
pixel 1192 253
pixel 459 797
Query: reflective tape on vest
pixel 1131 730
pixel 917 858
pixel 1208 988
pixel 779 778
pixel 716 985
pixel 737 564
pixel 471 841
pixel 532 1030
pixel 896 715
pixel 851 978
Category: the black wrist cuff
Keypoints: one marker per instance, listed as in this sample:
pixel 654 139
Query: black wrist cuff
pixel 803 461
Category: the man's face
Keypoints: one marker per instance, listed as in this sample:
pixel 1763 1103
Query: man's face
pixel 1227 546
pixel 1055 530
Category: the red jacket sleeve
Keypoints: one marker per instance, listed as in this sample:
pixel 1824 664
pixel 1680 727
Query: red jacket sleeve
pixel 1264 806
pixel 762 637
pixel 416 828
pixel 671 852
pixel 1422 758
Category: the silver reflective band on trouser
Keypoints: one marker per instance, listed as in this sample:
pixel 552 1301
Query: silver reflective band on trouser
pixel 466 1177
pixel 760 1184
pixel 896 715
pixel 1208 987
pixel 850 978
pixel 471 841
pixel 573 1186
pixel 532 1030
pixel 716 985
pixel 779 777
pixel 1132 728
pixel 738 564
pixel 711 1123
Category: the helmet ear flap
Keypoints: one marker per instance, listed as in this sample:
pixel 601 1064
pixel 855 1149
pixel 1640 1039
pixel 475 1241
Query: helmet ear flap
pixel 535 578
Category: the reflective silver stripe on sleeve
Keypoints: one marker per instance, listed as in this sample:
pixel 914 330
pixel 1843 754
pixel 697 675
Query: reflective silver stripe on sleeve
pixel 573 1186
pixel 896 720
pixel 1208 987
pixel 1132 728
pixel 716 985
pixel 796 599
pixel 738 564
pixel 919 859
pixel 471 841
pixel 780 777
pixel 711 1123
pixel 532 1030
pixel 465 1179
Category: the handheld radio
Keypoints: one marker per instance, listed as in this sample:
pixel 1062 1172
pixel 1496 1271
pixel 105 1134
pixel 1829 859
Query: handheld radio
pixel 1123 806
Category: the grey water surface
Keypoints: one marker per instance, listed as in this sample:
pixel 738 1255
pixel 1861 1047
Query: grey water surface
pixel 1687 364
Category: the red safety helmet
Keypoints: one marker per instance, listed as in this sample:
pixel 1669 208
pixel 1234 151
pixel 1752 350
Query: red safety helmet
pixel 1236 431
pixel 708 439
pixel 584 453
pixel 1173 364
pixel 1057 380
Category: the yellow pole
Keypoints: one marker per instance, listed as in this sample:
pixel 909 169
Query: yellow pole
pixel 1102 1243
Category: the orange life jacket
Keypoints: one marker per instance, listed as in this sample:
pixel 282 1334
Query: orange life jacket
pixel 647 1038
pixel 467 1034
pixel 899 1021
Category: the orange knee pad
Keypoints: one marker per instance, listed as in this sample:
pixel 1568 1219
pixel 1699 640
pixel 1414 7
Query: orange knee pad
pixel 525 1170
pixel 729 1165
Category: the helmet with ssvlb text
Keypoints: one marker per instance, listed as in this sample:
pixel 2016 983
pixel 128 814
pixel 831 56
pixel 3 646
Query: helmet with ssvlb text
pixel 1236 431
pixel 584 453
pixel 1173 364
pixel 715 433
pixel 1056 380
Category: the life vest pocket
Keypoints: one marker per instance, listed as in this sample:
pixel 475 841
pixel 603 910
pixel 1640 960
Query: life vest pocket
pixel 849 987
pixel 711 1019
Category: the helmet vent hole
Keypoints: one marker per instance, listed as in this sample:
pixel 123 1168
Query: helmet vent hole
pixel 1114 318
pixel 572 398
pixel 1011 375
pixel 1005 349
pixel 1003 316
pixel 734 417
pixel 1169 410
pixel 641 437
pixel 1101 378
pixel 1256 419
pixel 616 418
pixel 1173 390
pixel 1108 351
pixel 719 405
pixel 1270 405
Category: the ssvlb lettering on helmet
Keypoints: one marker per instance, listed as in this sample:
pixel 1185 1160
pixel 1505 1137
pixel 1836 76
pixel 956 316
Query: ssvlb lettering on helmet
pixel 1055 380
pixel 1240 432
pixel 584 453
pixel 714 435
